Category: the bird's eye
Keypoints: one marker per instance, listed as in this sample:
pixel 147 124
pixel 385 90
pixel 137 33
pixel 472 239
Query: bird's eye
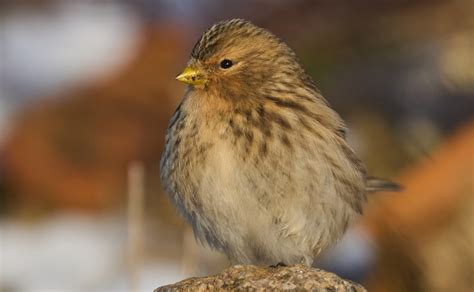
pixel 226 63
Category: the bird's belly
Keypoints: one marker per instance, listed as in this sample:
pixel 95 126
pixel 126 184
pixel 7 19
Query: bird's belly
pixel 260 214
pixel 254 216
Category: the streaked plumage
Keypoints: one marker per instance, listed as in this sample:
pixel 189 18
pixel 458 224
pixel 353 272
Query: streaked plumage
pixel 255 158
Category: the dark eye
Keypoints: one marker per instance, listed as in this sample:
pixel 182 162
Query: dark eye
pixel 226 63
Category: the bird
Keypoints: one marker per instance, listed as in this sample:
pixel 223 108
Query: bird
pixel 255 159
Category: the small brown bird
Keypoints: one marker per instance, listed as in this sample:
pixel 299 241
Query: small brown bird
pixel 255 158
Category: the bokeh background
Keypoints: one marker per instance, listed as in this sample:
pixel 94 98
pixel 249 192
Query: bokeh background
pixel 86 91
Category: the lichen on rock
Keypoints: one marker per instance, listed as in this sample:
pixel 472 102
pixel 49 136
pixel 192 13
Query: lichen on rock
pixel 253 278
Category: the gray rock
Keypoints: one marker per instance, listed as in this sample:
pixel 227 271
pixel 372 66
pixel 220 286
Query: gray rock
pixel 291 278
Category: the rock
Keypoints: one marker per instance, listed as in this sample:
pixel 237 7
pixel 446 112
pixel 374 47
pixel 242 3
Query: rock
pixel 298 277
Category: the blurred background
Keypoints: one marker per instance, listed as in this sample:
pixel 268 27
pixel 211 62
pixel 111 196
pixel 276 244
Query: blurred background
pixel 87 89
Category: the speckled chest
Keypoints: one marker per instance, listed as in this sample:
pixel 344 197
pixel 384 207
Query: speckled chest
pixel 185 153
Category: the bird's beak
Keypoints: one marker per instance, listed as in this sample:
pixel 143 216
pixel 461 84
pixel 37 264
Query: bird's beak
pixel 191 76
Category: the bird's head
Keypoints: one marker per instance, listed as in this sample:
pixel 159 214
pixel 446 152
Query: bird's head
pixel 234 58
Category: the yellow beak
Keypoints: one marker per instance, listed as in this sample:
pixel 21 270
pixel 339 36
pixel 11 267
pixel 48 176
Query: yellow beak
pixel 191 76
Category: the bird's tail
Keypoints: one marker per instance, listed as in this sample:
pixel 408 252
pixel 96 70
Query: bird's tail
pixel 375 184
